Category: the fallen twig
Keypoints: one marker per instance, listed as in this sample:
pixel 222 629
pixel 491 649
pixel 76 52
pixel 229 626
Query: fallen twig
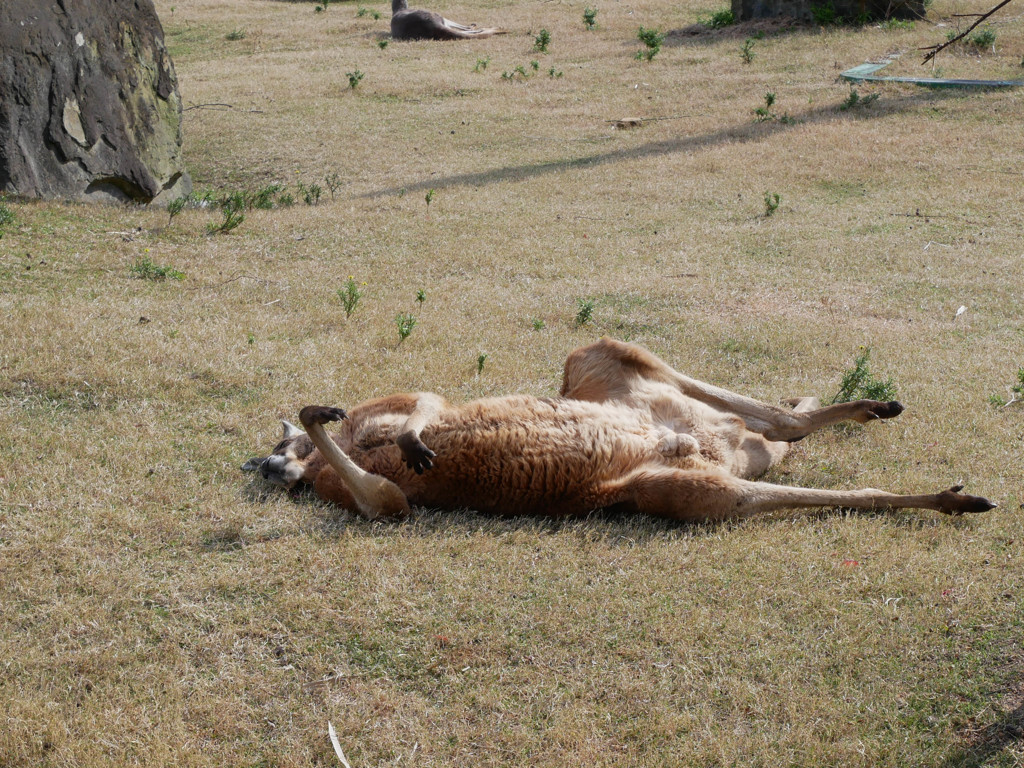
pixel 934 49
pixel 222 107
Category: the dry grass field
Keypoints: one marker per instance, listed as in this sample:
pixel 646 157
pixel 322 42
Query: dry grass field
pixel 159 608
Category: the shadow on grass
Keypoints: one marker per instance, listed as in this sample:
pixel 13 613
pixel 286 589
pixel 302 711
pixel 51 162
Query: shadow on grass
pixel 990 742
pixel 738 133
pixel 756 29
pixel 616 527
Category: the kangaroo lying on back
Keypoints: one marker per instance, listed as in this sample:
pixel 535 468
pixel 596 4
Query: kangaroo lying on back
pixel 414 24
pixel 628 432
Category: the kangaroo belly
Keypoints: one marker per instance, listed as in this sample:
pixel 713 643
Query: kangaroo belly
pixel 528 455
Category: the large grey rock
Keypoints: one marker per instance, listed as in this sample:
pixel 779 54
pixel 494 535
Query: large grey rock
pixel 89 104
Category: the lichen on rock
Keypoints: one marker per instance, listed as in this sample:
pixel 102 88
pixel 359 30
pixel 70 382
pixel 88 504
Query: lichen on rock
pixel 91 109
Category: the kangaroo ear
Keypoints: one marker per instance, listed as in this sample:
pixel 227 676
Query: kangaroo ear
pixel 289 430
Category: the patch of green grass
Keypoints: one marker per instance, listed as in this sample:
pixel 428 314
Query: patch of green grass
pixel 145 268
pixel 719 19
pixel 589 18
pixel 984 39
pixel 855 100
pixel 838 191
pixel 6 214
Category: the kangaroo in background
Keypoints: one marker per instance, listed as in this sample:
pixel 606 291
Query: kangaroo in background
pixel 415 24
pixel 627 431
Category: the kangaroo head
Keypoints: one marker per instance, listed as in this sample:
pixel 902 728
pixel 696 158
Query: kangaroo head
pixel 286 465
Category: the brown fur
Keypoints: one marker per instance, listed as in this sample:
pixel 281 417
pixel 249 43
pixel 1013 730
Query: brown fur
pixel 627 431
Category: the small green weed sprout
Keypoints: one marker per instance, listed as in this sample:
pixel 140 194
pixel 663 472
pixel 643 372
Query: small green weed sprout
pixel 719 19
pixel 321 6
pixel 480 360
pixel 251 339
pixel 535 65
pixel 856 100
pixel 765 113
pixel 859 384
pixel 584 311
pixel 747 51
pixel 421 296
pixel 382 44
pixel 771 203
pixel 364 11
pixel 146 269
pixel 333 182
pixel 542 41
pixel 405 322
pixel 354 78
pixel 235 34
pixel 984 39
pixel 429 197
pixel 1016 393
pixel 263 198
pixel 174 207
pixel 590 18
pixel 350 295
pixel 553 72
pixel 311 194
pixel 519 72
pixel 652 40
pixel 538 324
pixel 481 64
pixel 232 209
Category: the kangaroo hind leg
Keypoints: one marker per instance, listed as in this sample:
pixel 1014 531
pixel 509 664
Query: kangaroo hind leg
pixel 712 495
pixel 615 370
